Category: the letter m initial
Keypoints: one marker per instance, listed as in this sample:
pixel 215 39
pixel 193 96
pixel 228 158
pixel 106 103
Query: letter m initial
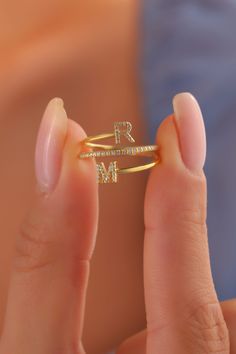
pixel 107 175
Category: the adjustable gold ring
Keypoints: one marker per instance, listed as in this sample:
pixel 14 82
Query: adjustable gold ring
pixel 103 150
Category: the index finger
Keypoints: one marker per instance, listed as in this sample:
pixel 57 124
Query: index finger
pixel 46 300
pixel 183 312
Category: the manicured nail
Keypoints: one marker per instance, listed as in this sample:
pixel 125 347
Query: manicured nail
pixel 191 129
pixel 49 146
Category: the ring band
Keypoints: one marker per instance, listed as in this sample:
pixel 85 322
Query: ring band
pixel 87 141
pixel 138 168
pixel 111 174
pixel 122 151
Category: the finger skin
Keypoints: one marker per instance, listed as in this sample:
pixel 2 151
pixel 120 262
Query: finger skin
pixel 183 312
pixel 229 311
pixel 50 272
pixel 137 343
pixel 134 345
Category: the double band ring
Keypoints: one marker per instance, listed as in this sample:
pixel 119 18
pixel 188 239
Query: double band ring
pixel 103 150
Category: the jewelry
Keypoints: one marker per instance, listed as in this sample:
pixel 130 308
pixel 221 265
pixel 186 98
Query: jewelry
pixel 126 150
pixel 111 174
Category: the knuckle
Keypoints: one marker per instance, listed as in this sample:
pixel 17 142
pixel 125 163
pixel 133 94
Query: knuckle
pixel 191 211
pixel 194 220
pixel 203 331
pixel 183 204
pixel 33 248
pixel 208 329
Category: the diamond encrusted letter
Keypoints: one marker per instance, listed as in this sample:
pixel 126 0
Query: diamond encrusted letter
pixel 107 176
pixel 123 128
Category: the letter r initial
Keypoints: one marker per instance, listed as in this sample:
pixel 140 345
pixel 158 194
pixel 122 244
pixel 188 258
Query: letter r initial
pixel 123 128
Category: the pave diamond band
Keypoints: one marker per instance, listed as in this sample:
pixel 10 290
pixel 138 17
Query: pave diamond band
pixel 127 150
pixel 110 174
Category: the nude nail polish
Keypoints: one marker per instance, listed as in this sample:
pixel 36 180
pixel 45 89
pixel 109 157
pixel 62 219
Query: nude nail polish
pixel 49 145
pixel 191 130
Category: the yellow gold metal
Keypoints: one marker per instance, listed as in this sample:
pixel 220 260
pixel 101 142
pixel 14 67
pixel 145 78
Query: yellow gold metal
pixel 138 168
pixel 87 141
pixel 146 150
pixel 110 174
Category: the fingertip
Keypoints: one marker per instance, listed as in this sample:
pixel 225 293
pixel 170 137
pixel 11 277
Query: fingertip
pixel 168 141
pixel 78 187
pixel 170 166
pixel 86 168
pixel 76 131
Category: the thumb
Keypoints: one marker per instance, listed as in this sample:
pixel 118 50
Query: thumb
pixel 50 272
pixel 183 312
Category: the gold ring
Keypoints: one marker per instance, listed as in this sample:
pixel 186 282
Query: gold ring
pixel 103 150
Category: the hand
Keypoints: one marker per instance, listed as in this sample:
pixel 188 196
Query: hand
pixel 183 313
pixel 51 266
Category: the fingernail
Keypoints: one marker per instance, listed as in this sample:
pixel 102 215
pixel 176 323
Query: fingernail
pixel 49 145
pixel 191 129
